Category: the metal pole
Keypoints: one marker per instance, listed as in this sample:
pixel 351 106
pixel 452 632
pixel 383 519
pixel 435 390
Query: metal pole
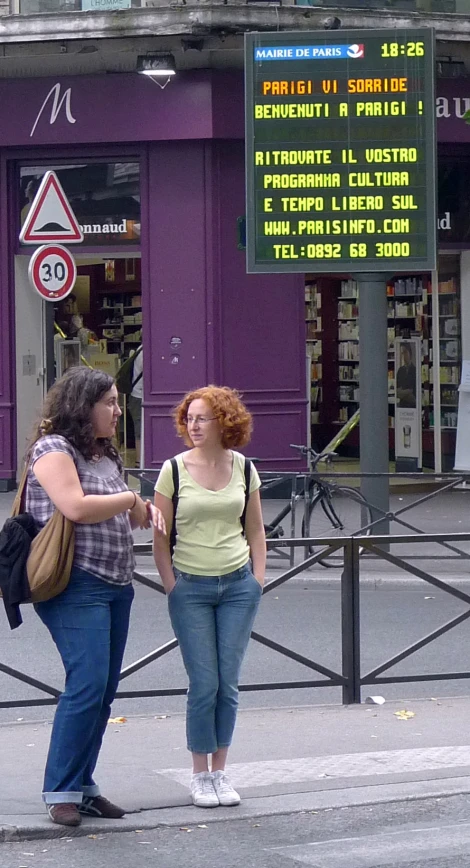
pixel 373 381
pixel 350 624
pixel 49 334
pixel 436 373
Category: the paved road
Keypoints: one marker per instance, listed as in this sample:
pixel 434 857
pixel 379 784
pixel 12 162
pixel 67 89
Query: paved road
pixel 428 833
pixel 304 616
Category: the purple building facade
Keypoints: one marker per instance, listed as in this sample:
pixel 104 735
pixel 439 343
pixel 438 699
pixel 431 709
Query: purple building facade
pixel 246 331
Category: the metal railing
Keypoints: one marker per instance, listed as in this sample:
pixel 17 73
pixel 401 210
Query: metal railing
pixel 350 675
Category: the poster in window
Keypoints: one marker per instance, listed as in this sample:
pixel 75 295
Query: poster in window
pixel 408 448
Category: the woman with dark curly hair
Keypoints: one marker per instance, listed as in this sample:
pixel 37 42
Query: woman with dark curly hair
pixel 75 468
pixel 213 593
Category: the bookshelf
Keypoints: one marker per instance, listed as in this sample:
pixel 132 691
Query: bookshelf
pixel 348 350
pixel 332 309
pixel 313 323
pixel 449 349
pixel 322 352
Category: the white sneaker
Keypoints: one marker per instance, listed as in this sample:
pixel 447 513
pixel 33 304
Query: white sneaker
pixel 203 793
pixel 224 790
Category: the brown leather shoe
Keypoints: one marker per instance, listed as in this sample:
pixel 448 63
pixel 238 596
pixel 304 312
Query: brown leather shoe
pixel 65 814
pixel 98 806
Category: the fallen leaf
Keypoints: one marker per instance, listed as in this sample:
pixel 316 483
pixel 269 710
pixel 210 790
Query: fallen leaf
pixel 404 714
pixel 117 720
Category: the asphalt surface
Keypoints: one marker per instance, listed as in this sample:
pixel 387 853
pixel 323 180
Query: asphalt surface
pixel 428 833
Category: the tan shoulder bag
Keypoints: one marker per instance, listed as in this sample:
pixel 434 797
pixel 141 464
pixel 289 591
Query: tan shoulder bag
pixel 51 554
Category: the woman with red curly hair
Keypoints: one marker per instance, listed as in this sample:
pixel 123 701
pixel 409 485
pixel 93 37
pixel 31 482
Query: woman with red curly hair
pixel 213 592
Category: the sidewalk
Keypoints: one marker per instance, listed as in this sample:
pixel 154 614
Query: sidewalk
pixel 286 760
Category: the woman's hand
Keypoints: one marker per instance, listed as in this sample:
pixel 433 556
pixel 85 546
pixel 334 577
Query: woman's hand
pixel 139 513
pixel 156 519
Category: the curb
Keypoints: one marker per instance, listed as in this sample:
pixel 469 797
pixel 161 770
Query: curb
pixel 251 808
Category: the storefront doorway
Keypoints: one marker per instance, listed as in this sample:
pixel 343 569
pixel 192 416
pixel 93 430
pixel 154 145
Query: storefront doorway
pixel 100 323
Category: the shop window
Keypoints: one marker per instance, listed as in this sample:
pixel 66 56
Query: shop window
pixel 105 198
pixel 100 324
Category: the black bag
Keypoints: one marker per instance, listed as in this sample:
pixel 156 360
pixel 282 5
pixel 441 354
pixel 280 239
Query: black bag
pixel 124 377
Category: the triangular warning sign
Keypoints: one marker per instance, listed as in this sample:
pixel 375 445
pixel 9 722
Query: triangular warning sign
pixel 50 218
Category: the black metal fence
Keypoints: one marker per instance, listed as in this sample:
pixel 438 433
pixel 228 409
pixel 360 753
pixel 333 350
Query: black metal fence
pixel 351 677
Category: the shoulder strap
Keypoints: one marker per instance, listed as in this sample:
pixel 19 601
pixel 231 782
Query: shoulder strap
pixel 247 476
pixel 176 487
pixel 18 503
pixel 139 376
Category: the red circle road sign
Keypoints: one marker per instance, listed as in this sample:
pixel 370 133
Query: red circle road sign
pixel 52 272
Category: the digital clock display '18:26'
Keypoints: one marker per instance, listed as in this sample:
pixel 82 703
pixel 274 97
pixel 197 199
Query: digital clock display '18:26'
pixel 403 49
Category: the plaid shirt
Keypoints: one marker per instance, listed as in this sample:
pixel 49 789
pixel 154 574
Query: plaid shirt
pixel 105 548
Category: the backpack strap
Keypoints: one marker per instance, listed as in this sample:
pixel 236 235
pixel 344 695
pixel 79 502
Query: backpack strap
pixel 139 376
pixel 176 487
pixel 247 476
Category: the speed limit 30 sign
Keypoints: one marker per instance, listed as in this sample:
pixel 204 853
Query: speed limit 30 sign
pixel 52 272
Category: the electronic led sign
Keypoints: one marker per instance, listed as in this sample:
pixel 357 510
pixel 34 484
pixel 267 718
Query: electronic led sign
pixel 340 151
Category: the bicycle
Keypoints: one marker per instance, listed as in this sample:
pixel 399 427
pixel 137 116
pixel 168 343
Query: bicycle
pixel 344 510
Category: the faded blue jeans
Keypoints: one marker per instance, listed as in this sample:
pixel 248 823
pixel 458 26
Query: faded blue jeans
pixel 89 623
pixel 212 618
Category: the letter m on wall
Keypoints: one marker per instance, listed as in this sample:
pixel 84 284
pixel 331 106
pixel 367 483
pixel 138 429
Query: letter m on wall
pixel 57 102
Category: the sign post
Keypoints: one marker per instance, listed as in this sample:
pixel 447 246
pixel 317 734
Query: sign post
pixel 340 156
pixel 52 271
pixel 50 218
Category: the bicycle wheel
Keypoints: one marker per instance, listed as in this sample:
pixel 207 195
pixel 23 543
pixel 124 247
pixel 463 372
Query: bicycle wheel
pixel 337 512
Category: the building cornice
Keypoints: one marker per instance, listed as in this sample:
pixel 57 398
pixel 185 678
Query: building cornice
pixel 204 18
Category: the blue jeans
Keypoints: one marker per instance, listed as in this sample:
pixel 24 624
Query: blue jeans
pixel 212 618
pixel 89 623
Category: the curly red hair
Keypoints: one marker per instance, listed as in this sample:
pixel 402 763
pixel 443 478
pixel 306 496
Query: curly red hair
pixel 235 420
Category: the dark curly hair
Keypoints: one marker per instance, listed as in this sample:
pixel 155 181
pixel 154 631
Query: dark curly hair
pixel 67 411
pixel 235 420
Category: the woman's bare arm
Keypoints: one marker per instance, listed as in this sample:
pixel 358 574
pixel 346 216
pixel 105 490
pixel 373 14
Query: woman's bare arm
pixel 254 530
pixel 161 543
pixel 57 474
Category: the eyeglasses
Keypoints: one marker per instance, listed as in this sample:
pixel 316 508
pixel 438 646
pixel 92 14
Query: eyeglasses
pixel 200 420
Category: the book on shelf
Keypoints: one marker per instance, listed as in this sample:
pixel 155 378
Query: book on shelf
pixel 446 287
pixel 349 289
